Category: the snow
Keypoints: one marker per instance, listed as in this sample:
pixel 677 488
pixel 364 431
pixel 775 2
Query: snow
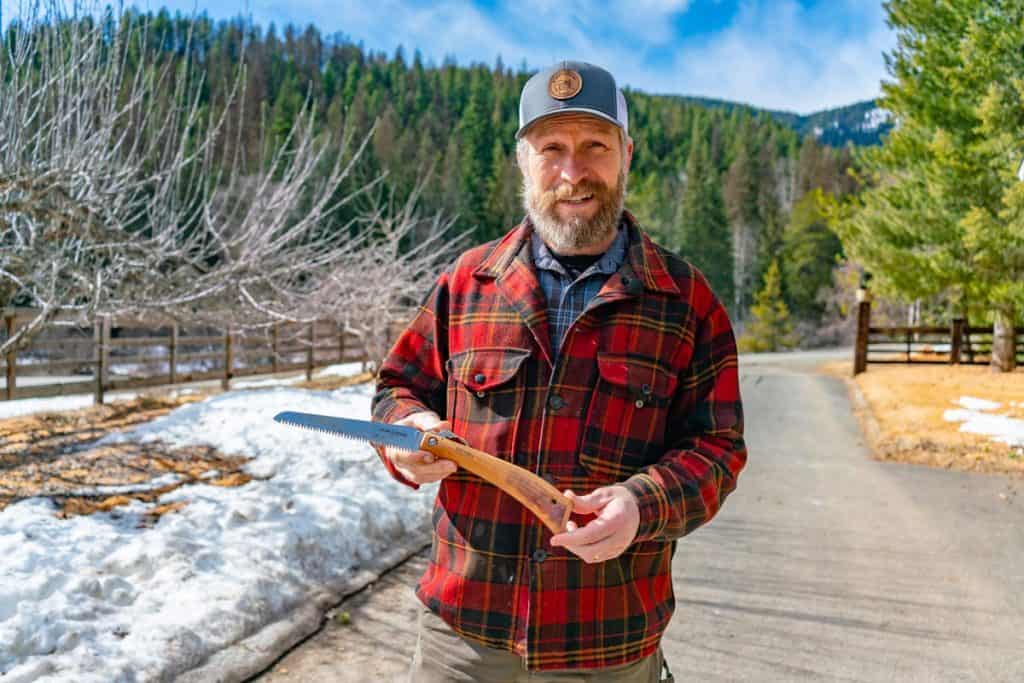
pixel 104 598
pixel 978 404
pixel 875 119
pixel 977 418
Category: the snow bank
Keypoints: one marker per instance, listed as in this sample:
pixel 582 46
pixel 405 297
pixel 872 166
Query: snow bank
pixel 101 598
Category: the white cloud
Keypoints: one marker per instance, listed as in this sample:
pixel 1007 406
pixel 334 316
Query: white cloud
pixel 782 56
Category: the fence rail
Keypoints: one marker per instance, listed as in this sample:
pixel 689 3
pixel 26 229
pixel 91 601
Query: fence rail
pixel 957 344
pixel 116 354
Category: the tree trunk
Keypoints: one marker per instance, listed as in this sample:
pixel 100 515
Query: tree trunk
pixel 1004 346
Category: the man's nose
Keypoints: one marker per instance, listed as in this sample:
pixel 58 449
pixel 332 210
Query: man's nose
pixel 573 169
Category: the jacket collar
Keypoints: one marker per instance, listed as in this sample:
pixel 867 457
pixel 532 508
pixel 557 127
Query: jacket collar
pixel 643 256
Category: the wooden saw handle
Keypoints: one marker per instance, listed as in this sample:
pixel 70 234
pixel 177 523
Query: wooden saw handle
pixel 539 497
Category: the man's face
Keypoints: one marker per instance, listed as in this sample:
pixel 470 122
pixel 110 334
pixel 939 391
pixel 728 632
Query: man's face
pixel 574 180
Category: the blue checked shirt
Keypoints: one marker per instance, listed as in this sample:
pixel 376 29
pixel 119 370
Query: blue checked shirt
pixel 568 297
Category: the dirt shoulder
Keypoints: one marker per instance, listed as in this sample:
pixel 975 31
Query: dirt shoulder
pixel 901 409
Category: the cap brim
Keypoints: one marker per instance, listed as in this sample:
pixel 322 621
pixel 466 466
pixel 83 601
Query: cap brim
pixel 568 110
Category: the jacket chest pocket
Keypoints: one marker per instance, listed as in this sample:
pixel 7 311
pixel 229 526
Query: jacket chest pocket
pixel 625 425
pixel 485 396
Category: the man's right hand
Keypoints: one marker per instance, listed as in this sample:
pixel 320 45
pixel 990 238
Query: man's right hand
pixel 421 467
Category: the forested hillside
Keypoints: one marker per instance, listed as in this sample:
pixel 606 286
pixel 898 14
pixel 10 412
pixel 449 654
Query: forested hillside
pixel 728 188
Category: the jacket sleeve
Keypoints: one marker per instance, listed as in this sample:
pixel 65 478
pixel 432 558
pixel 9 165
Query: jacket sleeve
pixel 705 450
pixel 412 377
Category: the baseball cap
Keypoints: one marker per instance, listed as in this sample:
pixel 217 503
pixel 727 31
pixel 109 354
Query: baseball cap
pixel 572 86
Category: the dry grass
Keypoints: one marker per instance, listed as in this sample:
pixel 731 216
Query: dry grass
pixel 52 454
pixel 333 382
pixel 904 408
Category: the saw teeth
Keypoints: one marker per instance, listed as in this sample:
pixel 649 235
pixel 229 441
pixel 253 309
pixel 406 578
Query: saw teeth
pixel 329 433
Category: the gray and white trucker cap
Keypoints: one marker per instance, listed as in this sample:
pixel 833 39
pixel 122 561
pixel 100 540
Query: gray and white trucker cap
pixel 572 86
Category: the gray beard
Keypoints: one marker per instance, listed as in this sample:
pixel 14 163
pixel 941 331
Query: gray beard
pixel 564 236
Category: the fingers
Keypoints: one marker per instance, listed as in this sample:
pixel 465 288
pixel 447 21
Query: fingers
pixel 414 463
pixel 608 549
pixel 606 536
pixel 595 531
pixel 421 467
pixel 590 503
pixel 425 474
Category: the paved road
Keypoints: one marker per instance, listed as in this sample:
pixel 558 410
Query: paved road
pixel 824 565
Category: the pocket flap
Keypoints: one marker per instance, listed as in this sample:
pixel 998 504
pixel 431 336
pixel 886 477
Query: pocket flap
pixel 640 376
pixel 485 369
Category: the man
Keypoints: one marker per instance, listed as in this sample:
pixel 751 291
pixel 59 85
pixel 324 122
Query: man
pixel 578 349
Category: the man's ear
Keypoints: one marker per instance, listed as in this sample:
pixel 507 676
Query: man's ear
pixel 628 155
pixel 522 150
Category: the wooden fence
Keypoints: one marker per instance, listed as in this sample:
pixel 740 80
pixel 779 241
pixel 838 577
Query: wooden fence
pixel 117 353
pixel 955 344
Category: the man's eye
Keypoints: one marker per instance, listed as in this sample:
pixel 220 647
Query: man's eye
pixel 550 148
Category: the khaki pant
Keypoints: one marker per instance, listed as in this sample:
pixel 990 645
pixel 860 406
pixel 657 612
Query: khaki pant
pixel 443 656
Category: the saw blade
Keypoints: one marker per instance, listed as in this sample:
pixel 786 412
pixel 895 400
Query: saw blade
pixel 405 438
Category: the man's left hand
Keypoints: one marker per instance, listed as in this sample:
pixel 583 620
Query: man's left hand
pixel 609 534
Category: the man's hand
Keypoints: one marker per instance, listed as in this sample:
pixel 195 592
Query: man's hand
pixel 421 467
pixel 609 534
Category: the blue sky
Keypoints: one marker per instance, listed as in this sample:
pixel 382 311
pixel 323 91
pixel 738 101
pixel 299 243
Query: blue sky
pixel 795 55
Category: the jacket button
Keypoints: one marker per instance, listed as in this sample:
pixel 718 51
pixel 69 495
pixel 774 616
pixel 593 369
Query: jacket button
pixel 479 378
pixel 539 555
pixel 556 402
pixel 639 404
pixel 646 389
pixel 481 394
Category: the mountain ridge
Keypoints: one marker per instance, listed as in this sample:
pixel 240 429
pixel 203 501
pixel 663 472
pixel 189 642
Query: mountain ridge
pixel 861 123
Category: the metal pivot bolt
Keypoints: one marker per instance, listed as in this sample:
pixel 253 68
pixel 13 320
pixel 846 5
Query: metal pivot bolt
pixel 432 440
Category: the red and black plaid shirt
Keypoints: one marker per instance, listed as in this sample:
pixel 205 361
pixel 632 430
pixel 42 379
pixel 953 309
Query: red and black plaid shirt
pixel 644 392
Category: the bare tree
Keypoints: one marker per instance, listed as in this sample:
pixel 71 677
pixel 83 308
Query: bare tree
pixel 378 285
pixel 119 194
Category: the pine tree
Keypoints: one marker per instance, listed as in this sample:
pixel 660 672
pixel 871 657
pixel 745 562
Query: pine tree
pixel 703 232
pixel 475 160
pixel 740 194
pixel 810 250
pixel 770 328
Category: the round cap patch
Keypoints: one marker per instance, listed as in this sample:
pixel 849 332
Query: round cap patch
pixel 565 83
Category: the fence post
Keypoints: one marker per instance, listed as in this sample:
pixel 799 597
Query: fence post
pixel 908 346
pixel 860 349
pixel 102 337
pixel 956 344
pixel 341 344
pixel 11 358
pixel 229 360
pixel 173 359
pixel 309 352
pixel 273 347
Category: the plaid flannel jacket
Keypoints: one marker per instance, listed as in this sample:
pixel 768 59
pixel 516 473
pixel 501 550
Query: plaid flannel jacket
pixel 644 392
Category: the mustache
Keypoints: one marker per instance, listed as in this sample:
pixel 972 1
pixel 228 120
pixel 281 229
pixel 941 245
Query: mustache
pixel 600 191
